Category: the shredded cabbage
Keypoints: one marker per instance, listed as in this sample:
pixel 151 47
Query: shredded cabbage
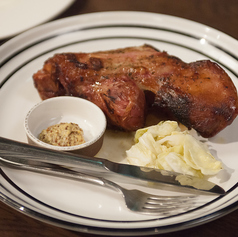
pixel 165 146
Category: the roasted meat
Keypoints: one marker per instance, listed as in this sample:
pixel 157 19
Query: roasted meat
pixel 125 82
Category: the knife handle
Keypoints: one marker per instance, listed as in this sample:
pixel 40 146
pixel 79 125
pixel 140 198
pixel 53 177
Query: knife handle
pixel 10 149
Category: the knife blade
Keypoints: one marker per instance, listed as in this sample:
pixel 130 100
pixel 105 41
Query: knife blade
pixel 23 153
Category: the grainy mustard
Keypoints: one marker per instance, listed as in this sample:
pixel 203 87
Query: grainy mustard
pixel 63 134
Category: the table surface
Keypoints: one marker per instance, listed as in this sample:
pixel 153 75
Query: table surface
pixel 222 15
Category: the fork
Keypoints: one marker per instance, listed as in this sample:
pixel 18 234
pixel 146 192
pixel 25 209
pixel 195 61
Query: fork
pixel 135 200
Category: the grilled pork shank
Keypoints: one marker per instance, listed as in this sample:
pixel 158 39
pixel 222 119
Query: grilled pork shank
pixel 200 94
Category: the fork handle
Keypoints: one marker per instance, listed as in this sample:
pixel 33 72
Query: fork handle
pixel 59 171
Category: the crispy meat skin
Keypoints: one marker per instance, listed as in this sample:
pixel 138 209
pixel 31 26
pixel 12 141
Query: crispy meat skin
pixel 200 94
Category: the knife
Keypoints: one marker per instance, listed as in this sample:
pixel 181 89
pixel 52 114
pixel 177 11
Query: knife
pixel 22 153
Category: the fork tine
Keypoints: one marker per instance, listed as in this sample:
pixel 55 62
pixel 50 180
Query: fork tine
pixel 167 205
pixel 173 198
pixel 165 210
pixel 169 200
pixel 162 206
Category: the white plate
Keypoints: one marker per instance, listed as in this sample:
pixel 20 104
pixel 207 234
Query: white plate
pixel 17 16
pixel 80 206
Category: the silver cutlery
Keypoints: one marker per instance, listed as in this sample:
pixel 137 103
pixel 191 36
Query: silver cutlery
pixel 22 152
pixel 135 200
